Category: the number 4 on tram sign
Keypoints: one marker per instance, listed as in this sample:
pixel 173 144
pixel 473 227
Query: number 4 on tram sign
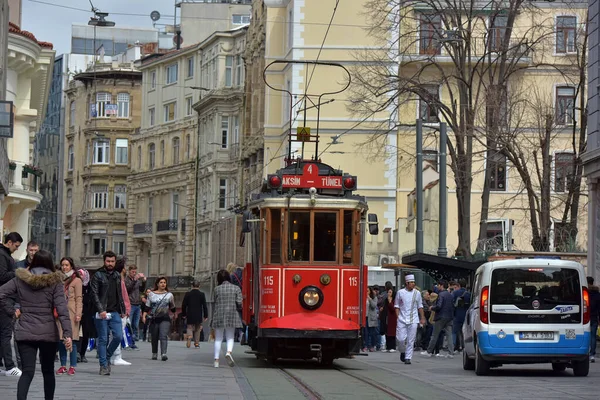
pixel 303 134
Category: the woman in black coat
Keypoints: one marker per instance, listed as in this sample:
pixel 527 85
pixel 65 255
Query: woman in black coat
pixel 195 311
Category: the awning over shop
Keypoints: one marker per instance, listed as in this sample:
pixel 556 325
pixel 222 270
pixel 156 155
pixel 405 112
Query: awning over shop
pixel 442 267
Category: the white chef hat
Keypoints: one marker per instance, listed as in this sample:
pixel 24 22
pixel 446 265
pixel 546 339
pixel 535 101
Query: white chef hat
pixel 409 278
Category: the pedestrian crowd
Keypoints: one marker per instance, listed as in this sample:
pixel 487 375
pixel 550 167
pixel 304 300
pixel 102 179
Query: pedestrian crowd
pixel 58 312
pixel 411 319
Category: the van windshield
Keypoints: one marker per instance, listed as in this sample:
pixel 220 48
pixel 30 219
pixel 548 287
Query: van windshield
pixel 537 295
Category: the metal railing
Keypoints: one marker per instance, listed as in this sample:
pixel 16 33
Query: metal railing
pixel 166 225
pixel 142 229
pixel 517 48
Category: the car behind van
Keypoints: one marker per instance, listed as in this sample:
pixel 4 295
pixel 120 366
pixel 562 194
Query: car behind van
pixel 528 311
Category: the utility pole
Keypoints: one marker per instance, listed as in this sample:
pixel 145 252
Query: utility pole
pixel 443 194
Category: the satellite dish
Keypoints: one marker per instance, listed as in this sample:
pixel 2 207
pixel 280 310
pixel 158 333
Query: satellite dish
pixel 154 16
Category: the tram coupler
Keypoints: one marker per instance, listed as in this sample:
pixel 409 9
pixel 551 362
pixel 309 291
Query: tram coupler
pixel 317 348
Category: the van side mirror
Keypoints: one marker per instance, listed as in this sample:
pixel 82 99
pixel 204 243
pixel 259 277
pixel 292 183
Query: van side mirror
pixel 373 224
pixel 245 224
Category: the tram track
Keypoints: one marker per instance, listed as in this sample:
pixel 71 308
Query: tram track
pixel 313 394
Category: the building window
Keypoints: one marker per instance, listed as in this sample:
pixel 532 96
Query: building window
pixel 120 196
pixel 188 106
pixel 99 196
pixel 153 80
pixel 188 146
pixel 190 67
pixel 170 110
pixel 103 99
pixel 101 151
pixel 176 151
pixel 497 165
pixel 224 131
pixel 69 201
pixel 151 155
pixel 565 105
pixel 72 114
pixel 71 159
pixel 150 209
pixel 429 32
pixel 228 71
pixel 67 247
pixel 152 116
pixel 119 247
pixel 239 71
pixel 428 110
pixel 222 193
pixel 430 157
pixel 122 147
pixel 123 105
pixel 162 153
pixel 99 246
pixel 139 157
pixel 564 168
pixel 175 206
pixel 566 28
pixel 497 32
pixel 236 130
pixel 172 73
pixel 239 19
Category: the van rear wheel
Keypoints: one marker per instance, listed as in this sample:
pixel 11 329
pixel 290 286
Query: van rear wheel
pixel 482 367
pixel 559 367
pixel 581 368
pixel 468 363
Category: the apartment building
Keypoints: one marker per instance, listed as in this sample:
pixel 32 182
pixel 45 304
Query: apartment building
pixel 103 113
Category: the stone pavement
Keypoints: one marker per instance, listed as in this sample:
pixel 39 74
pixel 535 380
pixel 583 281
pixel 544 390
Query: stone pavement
pixel 188 374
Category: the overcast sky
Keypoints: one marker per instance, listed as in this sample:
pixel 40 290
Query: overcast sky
pixel 52 23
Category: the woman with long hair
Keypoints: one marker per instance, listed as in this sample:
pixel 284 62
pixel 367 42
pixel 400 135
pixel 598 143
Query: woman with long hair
pixel 226 316
pixel 73 294
pixel 159 302
pixel 40 290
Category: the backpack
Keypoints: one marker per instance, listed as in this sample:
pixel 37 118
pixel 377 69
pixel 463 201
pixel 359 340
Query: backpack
pixel 460 301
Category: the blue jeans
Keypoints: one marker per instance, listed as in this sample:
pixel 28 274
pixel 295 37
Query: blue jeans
pixel 135 321
pixel 62 351
pixel 373 337
pixel 103 326
pixel 593 330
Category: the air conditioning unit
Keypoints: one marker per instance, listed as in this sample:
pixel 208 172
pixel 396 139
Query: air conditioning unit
pixel 385 259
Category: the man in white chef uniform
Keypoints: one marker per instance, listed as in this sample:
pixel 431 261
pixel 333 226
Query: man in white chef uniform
pixel 409 309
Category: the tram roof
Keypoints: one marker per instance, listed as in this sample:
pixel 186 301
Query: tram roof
pixel 304 201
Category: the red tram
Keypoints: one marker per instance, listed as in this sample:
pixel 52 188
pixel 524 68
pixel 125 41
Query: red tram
pixel 304 280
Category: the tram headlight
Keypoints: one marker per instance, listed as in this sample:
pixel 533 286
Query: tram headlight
pixel 311 297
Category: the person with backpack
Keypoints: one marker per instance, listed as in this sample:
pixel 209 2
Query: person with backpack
pixel 461 299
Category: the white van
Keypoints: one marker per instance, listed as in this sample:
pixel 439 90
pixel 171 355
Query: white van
pixel 528 311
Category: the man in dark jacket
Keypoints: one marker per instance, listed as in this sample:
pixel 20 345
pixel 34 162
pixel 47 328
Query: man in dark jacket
pixel 135 283
pixel 107 299
pixel 32 248
pixel 12 241
pixel 594 315
pixel 461 300
pixel 444 315
pixel 195 310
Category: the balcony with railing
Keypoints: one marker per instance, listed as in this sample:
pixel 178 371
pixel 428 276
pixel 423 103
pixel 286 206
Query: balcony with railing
pixel 166 227
pixel 23 182
pixel 142 230
pixel 483 49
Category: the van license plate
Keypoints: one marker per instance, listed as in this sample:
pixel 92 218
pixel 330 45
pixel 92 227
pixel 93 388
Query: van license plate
pixel 536 335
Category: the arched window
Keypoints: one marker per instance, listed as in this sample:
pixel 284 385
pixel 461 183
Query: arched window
pixel 70 159
pixel 102 100
pixel 176 151
pixel 123 105
pixel 151 156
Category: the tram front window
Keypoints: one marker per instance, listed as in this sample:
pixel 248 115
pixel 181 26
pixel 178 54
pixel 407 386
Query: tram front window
pixel 299 236
pixel 325 236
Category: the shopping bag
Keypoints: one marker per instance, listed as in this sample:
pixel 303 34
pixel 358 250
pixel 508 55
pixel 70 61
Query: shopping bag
pixel 127 339
pixel 91 344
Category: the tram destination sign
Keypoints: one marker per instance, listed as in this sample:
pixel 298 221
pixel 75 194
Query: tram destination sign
pixel 310 178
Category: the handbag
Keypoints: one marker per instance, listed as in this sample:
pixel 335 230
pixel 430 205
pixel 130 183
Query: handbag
pixel 150 315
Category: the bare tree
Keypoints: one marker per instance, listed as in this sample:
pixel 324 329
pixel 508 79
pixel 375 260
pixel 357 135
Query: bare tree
pixel 471 49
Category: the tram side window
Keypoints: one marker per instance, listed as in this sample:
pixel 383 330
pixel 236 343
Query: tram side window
pixel 325 236
pixel 275 236
pixel 299 246
pixel 347 256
